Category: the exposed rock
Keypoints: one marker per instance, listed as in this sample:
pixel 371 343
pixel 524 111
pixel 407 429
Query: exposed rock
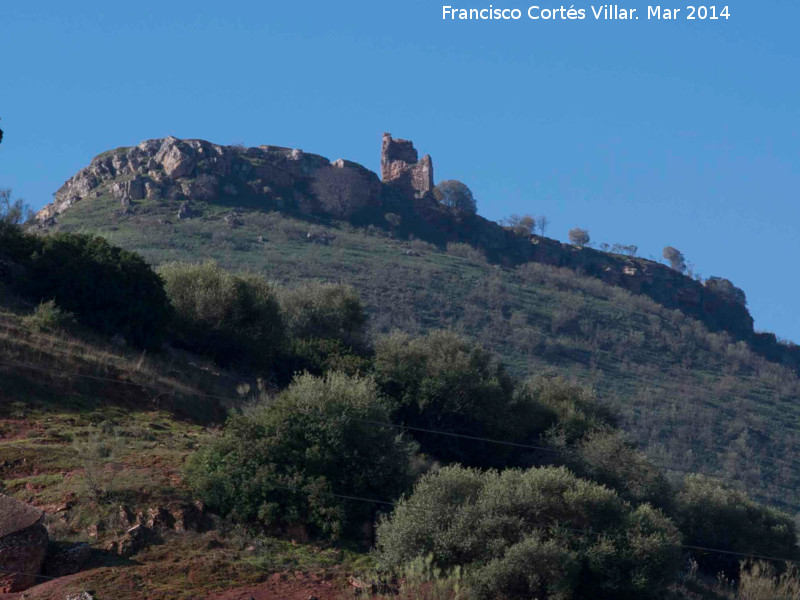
pixel 170 168
pixel 160 518
pixel 67 559
pixel 177 158
pixel 80 596
pixel 177 516
pixel 232 220
pixel 401 168
pixel 345 187
pixel 320 236
pixel 23 544
pixel 134 540
pixel 133 189
pixel 186 211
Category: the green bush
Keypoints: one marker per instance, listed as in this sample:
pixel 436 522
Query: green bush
pixel 318 356
pixel 445 382
pixel 607 457
pixel 48 316
pixel 712 515
pixel 324 311
pixel 278 464
pixel 471 253
pixel 108 289
pixel 540 533
pixel 233 318
pixel 573 409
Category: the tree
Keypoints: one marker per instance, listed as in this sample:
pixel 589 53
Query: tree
pixel 230 317
pixel 523 225
pixel 107 288
pixel 579 237
pixel 326 311
pixel 446 382
pixel 676 258
pixel 456 195
pixel 340 191
pixel 289 460
pixel 393 219
pixel 543 223
pixel 14 212
pixel 539 533
pixel 713 515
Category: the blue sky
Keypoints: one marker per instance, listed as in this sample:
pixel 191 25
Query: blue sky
pixel 684 133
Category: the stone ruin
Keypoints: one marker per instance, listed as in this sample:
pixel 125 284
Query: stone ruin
pixel 402 169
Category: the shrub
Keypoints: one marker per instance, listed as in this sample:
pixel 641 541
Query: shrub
pixel 456 195
pixel 318 356
pixel 229 317
pixel 466 251
pixel 445 382
pixel 579 237
pixel 48 316
pixel 573 409
pixel 108 289
pixel 324 311
pixel 278 465
pixel 760 581
pixel 607 457
pixel 713 516
pixel 523 226
pixel 538 533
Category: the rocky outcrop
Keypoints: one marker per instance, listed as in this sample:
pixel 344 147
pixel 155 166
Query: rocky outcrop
pixel 402 169
pixel 196 170
pixel 23 545
pixel 641 276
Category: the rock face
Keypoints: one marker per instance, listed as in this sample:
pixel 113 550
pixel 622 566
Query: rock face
pixel 184 170
pixel 23 545
pixel 402 169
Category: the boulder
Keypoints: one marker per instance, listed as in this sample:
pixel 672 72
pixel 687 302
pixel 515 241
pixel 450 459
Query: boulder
pixel 23 544
pixel 67 559
pixel 134 540
pixel 176 158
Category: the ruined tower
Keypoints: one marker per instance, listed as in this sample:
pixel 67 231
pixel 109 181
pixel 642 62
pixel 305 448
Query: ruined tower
pixel 402 169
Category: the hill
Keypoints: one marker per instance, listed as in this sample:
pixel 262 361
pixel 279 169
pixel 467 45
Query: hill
pixel 677 359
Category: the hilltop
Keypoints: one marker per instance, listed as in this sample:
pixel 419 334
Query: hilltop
pixel 185 176
pixel 677 359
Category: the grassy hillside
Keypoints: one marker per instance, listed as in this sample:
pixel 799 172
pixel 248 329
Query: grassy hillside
pixel 693 399
pixel 75 412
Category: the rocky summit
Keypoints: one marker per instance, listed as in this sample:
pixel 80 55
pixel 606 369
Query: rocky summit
pixel 189 170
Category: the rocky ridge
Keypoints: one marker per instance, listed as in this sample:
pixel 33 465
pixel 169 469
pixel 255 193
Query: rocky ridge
pixel 190 172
